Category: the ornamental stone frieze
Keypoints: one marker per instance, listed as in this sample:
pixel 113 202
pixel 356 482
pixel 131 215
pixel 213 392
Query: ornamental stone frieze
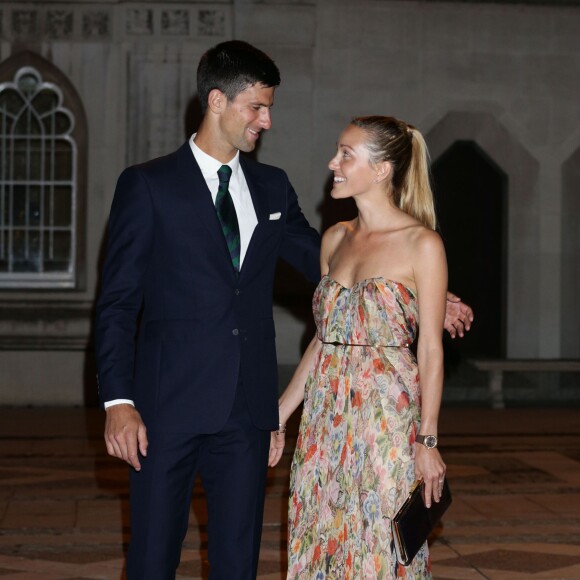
pixel 114 22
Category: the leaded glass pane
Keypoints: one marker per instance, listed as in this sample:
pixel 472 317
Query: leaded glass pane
pixel 35 162
pixel 19 165
pixel 11 102
pixel 3 251
pixel 4 218
pixel 45 100
pixel 49 164
pixel 28 124
pixel 18 199
pixel 56 250
pixel 27 81
pixel 33 209
pixel 62 124
pixel 61 246
pixel 63 161
pixel 61 208
pixel 38 159
pixel 18 246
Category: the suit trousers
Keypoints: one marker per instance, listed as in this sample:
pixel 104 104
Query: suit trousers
pixel 232 464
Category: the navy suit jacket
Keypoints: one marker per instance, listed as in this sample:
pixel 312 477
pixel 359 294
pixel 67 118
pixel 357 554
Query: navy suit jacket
pixel 176 326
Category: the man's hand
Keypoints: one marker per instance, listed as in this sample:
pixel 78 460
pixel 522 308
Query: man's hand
pixel 458 316
pixel 277 442
pixel 125 434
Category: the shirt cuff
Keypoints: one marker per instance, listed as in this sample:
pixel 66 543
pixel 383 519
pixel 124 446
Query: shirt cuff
pixel 119 402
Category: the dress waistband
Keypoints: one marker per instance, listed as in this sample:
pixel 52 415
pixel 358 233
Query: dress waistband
pixel 336 343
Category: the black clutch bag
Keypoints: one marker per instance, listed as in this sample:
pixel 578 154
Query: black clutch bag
pixel 414 522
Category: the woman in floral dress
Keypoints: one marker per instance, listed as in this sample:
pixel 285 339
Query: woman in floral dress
pixel 358 450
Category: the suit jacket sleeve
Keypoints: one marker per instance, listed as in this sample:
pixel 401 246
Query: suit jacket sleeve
pixel 130 242
pixel 301 243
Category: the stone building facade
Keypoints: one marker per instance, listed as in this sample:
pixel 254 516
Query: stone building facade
pixel 493 86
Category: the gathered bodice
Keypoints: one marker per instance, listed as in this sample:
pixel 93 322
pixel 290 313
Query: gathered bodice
pixel 374 312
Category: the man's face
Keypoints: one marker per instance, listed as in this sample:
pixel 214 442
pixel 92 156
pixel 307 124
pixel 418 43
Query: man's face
pixel 246 116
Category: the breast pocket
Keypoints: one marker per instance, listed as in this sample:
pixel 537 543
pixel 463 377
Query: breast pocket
pixel 271 229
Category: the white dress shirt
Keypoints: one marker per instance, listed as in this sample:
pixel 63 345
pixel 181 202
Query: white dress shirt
pixel 238 188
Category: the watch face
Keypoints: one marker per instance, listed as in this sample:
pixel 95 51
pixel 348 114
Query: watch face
pixel 430 441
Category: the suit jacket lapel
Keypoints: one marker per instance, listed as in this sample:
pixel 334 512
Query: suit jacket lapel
pixel 195 188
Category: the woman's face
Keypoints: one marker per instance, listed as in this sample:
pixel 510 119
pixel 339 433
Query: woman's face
pixel 353 172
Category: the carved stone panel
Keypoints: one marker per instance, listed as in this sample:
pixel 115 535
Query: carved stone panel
pixel 96 24
pixel 59 24
pixel 25 23
pixel 211 22
pixel 48 21
pixel 139 21
pixel 175 22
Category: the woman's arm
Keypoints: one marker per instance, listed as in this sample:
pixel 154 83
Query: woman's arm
pixel 291 398
pixel 293 395
pixel 430 273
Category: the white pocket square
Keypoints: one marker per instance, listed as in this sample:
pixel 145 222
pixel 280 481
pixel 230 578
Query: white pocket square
pixel 276 216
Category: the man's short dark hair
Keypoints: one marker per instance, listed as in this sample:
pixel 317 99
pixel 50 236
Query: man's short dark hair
pixel 232 67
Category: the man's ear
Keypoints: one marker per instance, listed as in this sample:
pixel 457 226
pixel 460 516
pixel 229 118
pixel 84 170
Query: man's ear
pixel 216 101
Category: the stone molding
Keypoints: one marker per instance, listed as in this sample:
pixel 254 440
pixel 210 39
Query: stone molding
pixel 44 325
pixel 500 2
pixel 122 22
pixel 45 343
pixel 529 2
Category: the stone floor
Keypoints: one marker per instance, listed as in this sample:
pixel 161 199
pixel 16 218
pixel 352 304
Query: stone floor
pixel 514 474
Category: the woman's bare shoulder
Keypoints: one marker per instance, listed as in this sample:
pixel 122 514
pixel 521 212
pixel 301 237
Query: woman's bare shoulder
pixel 331 240
pixel 423 238
pixel 340 228
pixel 334 234
pixel 427 250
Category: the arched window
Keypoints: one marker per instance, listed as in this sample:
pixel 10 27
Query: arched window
pixel 39 186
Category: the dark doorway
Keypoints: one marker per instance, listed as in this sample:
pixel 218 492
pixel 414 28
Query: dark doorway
pixel 471 199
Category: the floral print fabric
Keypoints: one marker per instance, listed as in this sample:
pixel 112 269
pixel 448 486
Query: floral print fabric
pixel 354 461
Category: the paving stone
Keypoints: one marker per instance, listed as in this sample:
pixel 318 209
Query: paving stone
pixel 515 561
pixel 514 475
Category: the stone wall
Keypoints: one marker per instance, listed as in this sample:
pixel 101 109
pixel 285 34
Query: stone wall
pixel 504 75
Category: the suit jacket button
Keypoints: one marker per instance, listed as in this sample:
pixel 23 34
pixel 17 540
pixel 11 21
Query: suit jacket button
pixel 237 291
pixel 235 332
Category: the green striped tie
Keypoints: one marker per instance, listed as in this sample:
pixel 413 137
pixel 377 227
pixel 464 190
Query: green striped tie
pixel 226 212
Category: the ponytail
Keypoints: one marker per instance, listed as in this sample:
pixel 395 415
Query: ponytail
pixel 416 196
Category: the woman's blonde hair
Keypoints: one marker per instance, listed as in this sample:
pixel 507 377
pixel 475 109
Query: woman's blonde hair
pixel 403 146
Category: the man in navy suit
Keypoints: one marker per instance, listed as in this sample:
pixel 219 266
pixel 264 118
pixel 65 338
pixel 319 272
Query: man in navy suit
pixel 202 373
pixel 185 332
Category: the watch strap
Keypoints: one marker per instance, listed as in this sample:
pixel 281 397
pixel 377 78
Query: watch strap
pixel 423 440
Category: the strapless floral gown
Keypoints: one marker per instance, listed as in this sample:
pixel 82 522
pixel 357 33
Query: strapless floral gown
pixel 354 461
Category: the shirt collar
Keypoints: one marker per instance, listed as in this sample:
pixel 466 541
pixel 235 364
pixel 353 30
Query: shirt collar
pixel 208 164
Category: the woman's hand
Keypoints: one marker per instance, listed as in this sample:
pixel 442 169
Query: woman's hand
pixel 430 468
